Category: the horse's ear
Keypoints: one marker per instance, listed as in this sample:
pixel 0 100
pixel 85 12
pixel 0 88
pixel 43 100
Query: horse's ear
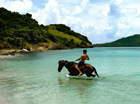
pixel 60 61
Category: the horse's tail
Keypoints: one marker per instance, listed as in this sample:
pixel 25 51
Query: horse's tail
pixel 94 69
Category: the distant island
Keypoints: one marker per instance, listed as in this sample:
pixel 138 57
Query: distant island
pixel 131 41
pixel 23 32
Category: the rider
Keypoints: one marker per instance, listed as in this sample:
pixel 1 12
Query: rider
pixel 82 60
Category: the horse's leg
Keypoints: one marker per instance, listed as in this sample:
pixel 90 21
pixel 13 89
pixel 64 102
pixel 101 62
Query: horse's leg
pixel 89 72
pixel 93 75
pixel 88 75
pixel 73 71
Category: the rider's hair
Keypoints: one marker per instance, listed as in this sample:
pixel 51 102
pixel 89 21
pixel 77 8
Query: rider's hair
pixel 85 51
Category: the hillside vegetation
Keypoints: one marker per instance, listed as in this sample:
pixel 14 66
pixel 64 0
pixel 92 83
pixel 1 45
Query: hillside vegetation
pixel 21 31
pixel 131 41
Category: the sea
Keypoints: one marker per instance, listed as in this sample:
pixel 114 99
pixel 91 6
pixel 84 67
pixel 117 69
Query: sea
pixel 33 78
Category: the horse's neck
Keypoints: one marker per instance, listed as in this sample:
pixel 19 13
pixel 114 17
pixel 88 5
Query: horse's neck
pixel 69 65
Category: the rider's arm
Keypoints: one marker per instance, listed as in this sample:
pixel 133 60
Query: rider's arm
pixel 78 59
pixel 87 58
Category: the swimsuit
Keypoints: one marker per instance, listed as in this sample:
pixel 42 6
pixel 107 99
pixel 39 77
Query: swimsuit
pixel 80 64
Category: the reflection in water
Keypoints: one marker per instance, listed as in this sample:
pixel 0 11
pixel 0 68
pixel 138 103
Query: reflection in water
pixel 77 88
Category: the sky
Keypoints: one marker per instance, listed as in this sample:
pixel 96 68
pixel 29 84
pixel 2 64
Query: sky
pixel 100 20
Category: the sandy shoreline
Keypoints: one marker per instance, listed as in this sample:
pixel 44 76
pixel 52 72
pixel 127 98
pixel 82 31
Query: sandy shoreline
pixel 11 52
pixel 36 48
pixel 4 51
pixel 8 51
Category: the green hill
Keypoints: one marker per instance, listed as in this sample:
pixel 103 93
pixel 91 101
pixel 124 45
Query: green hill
pixel 22 31
pixel 131 41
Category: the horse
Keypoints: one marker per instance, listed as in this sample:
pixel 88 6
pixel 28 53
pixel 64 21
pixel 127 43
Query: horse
pixel 85 69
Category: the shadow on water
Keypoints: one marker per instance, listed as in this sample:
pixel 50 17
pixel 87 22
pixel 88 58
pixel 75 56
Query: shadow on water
pixel 82 91
pixel 80 86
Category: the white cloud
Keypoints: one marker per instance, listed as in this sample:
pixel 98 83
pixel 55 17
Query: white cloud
pixel 84 2
pixel 77 10
pixel 17 5
pixel 124 19
pixel 48 15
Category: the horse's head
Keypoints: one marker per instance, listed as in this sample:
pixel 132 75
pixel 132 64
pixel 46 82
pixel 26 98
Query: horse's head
pixel 61 64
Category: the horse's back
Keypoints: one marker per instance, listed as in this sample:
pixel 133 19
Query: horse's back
pixel 71 63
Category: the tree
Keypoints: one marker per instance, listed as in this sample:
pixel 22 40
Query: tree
pixel 2 24
pixel 29 15
pixel 25 38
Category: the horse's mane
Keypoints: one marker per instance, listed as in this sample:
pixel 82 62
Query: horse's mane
pixel 72 62
pixel 69 62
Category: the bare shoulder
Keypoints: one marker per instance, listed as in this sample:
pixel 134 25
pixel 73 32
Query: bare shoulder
pixel 86 55
pixel 83 55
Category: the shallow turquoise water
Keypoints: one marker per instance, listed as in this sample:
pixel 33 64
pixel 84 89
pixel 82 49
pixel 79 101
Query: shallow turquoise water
pixel 33 78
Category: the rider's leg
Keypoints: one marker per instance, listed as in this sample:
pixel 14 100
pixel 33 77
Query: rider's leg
pixel 76 66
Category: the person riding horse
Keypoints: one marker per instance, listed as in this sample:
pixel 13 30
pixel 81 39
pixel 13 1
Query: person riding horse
pixel 80 68
pixel 70 65
pixel 82 61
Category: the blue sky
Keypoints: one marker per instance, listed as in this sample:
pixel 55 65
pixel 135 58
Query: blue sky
pixel 100 20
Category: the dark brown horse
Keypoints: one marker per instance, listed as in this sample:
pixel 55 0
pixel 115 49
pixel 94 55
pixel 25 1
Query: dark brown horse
pixel 85 69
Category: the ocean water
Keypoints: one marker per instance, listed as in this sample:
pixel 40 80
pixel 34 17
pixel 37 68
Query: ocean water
pixel 33 78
